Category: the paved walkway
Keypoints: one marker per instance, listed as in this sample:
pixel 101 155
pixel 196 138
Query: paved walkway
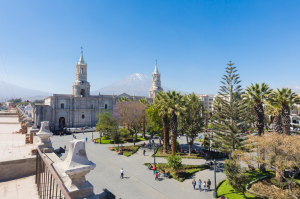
pixel 138 182
pixel 12 146
pixel 23 188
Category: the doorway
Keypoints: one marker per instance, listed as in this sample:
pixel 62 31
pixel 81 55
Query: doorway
pixel 61 122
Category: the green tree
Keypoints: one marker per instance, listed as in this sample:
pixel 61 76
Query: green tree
pixel 236 176
pixel 286 99
pixel 160 105
pixel 232 124
pixel 155 122
pixel 107 122
pixel 123 99
pixel 190 120
pixel 274 110
pixel 145 119
pixel 174 162
pixel 257 94
pixel 174 103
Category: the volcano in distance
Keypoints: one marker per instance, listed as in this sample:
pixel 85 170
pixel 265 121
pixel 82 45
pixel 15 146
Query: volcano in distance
pixel 135 84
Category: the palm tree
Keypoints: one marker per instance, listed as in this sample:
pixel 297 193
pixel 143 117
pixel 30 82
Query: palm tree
pixel 286 99
pixel 175 104
pixel 274 110
pixel 123 99
pixel 146 103
pixel 159 104
pixel 256 94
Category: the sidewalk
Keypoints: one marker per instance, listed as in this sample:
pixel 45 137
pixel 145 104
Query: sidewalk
pixel 138 182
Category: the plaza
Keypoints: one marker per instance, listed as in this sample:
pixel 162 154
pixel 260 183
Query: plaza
pixel 139 182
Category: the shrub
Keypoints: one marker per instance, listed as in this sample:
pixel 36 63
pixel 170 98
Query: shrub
pixel 174 162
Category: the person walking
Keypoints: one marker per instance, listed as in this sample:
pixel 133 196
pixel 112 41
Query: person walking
pixel 154 169
pixel 122 173
pixel 204 186
pixel 156 175
pixel 86 139
pixel 194 184
pixel 65 147
pixel 199 184
pixel 144 152
pixel 208 184
pixel 206 156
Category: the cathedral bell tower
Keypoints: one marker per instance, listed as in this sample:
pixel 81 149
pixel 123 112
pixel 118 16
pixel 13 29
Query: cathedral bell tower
pixel 81 87
pixel 156 83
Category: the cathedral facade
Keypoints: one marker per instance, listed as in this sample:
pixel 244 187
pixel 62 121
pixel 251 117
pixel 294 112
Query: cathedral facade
pixel 80 108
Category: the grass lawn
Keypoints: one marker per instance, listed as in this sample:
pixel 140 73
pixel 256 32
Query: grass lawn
pixel 139 138
pixel 159 153
pixel 128 150
pixel 106 140
pixel 226 190
pixel 182 174
pixel 200 140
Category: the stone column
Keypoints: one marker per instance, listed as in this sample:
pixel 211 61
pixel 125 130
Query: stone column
pixel 74 169
pixel 44 134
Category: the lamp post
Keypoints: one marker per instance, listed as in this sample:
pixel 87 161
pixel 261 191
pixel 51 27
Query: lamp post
pixel 121 143
pixel 154 154
pixel 100 134
pixel 215 168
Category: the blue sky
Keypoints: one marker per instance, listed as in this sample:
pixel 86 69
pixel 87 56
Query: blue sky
pixel 192 40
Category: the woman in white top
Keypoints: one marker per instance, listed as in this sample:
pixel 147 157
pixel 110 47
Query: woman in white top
pixel 204 186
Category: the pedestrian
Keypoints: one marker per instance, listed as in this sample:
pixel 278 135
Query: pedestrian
pixel 144 152
pixel 86 139
pixel 156 175
pixel 199 184
pixel 179 136
pixel 208 184
pixel 204 186
pixel 65 147
pixel 154 169
pixel 122 173
pixel 206 156
pixel 194 184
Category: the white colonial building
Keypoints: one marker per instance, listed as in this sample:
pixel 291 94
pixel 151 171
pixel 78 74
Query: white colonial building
pixel 79 109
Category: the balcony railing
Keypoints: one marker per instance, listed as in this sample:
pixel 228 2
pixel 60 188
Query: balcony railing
pixel 48 183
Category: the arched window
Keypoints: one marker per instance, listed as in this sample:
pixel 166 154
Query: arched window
pixel 92 106
pixel 82 116
pixel 82 92
pixel 105 106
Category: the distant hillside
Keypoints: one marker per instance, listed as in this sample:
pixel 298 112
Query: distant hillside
pixel 20 92
pixel 135 84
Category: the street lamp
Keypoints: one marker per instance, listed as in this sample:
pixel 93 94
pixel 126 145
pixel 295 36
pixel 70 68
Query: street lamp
pixel 121 143
pixel 154 153
pixel 100 134
pixel 215 178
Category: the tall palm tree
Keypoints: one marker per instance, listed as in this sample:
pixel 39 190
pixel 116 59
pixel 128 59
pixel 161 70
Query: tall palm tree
pixel 256 94
pixel 160 104
pixel 123 99
pixel 175 103
pixel 284 98
pixel 146 103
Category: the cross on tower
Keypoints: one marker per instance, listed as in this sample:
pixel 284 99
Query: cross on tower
pixel 81 48
pixel 156 62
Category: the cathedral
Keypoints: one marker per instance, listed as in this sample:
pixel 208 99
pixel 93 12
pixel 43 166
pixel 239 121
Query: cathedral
pixel 80 108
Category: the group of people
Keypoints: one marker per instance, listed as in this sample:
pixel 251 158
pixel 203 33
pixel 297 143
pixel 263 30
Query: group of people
pixel 156 173
pixel 205 185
